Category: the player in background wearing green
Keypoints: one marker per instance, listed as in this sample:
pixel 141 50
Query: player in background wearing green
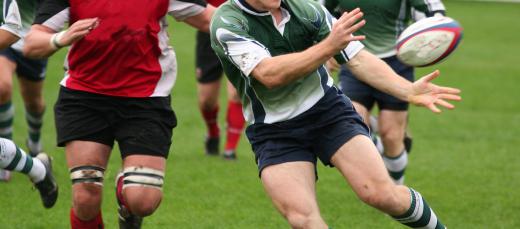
pixel 386 20
pixel 273 52
pixel 18 17
pixel 13 158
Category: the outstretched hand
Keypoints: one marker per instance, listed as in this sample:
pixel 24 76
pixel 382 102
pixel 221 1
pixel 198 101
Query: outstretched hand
pixel 425 93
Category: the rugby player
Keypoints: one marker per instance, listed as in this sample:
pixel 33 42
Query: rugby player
pixel 13 25
pixel 120 70
pixel 273 52
pixel 386 20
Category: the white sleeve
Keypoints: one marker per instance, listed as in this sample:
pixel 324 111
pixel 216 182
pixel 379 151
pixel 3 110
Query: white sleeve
pixel 58 21
pixel 244 53
pixel 12 20
pixel 182 9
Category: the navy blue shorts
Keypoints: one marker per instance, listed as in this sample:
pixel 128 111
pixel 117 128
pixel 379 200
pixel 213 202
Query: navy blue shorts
pixel 317 133
pixel 30 69
pixel 365 94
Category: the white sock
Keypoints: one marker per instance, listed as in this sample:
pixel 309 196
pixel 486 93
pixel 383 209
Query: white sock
pixel 396 166
pixel 13 158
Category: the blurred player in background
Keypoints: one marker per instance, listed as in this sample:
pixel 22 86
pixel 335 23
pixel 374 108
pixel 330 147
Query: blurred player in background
pixel 386 20
pixel 13 25
pixel 209 72
pixel 17 17
pixel 120 72
pixel 274 53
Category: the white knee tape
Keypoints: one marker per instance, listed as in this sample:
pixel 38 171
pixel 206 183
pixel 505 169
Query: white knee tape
pixel 87 174
pixel 143 177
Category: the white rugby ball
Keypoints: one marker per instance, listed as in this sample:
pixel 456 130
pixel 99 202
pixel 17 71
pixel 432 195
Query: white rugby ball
pixel 428 41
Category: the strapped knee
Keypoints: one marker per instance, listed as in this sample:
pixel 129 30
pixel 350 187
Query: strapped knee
pixel 143 177
pixel 87 174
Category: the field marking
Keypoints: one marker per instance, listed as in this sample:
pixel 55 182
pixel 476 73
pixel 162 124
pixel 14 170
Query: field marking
pixel 495 1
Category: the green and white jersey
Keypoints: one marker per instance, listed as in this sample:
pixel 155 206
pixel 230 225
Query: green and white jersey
pixel 17 18
pixel 242 37
pixel 385 19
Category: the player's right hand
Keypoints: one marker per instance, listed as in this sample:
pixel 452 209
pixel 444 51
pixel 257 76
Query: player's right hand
pixel 78 30
pixel 343 29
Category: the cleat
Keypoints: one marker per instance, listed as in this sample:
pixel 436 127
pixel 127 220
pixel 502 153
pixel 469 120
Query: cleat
pixel 47 187
pixel 126 219
pixel 5 175
pixel 230 155
pixel 211 145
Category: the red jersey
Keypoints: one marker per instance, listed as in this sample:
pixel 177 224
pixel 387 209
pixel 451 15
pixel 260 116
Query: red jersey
pixel 128 54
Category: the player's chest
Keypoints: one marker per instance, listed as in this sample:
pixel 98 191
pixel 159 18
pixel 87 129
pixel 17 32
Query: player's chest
pixel 296 36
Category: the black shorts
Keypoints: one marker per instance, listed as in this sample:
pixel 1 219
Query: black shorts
pixel 317 133
pixel 365 94
pixel 139 125
pixel 30 69
pixel 207 63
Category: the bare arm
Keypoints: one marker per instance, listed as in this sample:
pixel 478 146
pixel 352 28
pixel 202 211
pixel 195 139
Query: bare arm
pixel 378 74
pixel 7 39
pixel 201 21
pixel 281 70
pixel 42 41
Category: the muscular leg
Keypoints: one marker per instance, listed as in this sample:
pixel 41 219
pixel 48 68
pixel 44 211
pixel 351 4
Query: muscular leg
pixel 35 106
pixel 86 196
pixel 143 200
pixel 359 162
pixel 392 126
pixel 291 187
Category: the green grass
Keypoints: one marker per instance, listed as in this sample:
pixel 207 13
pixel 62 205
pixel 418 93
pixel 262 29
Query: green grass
pixel 465 162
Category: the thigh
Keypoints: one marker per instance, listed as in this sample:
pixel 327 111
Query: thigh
pixel 80 153
pixel 145 126
pixel 361 165
pixel 7 69
pixel 291 186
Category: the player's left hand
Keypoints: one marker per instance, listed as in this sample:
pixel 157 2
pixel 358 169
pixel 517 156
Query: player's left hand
pixel 425 93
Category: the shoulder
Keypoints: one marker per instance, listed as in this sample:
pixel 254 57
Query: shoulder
pixel 229 17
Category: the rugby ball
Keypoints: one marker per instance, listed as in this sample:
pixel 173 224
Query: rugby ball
pixel 428 41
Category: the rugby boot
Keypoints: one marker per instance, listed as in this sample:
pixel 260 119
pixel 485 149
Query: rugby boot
pixel 48 187
pixel 230 155
pixel 211 145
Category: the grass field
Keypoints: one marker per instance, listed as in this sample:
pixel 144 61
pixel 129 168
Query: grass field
pixel 465 162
